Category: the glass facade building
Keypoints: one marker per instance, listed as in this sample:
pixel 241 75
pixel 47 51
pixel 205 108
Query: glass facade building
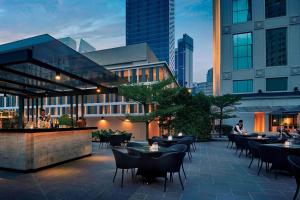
pixel 152 21
pixel 184 61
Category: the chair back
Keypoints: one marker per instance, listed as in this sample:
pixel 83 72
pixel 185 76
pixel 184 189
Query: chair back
pixel 170 162
pixel 116 140
pixel 135 144
pixel 231 137
pixel 187 142
pixel 254 148
pixel 294 162
pixel 123 160
pixel 178 148
pixel 273 155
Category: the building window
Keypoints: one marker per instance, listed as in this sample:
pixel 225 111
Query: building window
pixel 276 51
pixel 242 51
pixel 1 101
pixel 276 84
pixel 242 86
pixel 242 11
pixel 92 110
pixel 275 8
pixel 133 76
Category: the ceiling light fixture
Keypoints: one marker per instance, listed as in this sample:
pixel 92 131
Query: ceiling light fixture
pixel 98 90
pixel 57 76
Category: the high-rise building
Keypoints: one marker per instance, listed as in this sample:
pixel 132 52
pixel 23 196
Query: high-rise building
pixel 152 21
pixel 256 55
pixel 84 46
pixel 184 61
pixel 209 75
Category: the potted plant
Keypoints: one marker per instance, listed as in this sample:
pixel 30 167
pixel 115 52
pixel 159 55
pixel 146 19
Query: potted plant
pixel 65 121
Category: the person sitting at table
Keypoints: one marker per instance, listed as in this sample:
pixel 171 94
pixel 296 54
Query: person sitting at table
pixel 239 128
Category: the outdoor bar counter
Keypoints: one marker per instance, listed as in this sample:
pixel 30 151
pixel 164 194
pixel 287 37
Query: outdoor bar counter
pixel 31 149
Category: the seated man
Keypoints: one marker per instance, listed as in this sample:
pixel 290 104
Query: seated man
pixel 239 128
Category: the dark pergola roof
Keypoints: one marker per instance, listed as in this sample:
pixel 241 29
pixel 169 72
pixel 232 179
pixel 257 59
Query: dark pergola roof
pixel 28 68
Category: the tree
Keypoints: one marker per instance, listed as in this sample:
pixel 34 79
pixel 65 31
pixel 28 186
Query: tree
pixel 223 107
pixel 147 95
pixel 194 117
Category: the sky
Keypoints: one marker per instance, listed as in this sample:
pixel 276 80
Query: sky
pixel 102 23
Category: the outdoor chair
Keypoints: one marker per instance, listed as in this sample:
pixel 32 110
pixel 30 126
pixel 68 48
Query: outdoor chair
pixel 241 144
pixel 124 161
pixel 179 148
pixel 254 152
pixel 159 141
pixel 231 140
pixel 135 144
pixel 102 140
pixel 116 140
pixel 275 156
pixel 188 142
pixel 169 163
pixel 193 138
pixel 294 162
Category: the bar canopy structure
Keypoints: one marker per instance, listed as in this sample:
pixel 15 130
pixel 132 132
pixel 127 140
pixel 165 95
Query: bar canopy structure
pixel 43 66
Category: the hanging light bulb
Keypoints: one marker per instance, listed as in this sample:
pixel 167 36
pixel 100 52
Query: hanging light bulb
pixel 57 76
pixel 98 90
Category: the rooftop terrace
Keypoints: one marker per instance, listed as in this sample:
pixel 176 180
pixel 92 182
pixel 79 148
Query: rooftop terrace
pixel 215 173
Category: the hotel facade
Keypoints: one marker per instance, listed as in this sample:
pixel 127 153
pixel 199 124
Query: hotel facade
pixel 256 55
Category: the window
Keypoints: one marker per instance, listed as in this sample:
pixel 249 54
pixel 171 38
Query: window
pixel 242 51
pixel 275 8
pixel 276 84
pixel 242 11
pixel 92 109
pixel 133 76
pixel 276 51
pixel 1 101
pixel 242 86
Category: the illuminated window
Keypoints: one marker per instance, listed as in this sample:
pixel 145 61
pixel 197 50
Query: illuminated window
pixel 242 51
pixel 243 86
pixel 242 11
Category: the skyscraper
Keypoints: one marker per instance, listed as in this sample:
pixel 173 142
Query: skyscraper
pixel 184 61
pixel 152 21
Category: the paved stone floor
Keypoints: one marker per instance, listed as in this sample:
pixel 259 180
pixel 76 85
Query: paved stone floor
pixel 214 173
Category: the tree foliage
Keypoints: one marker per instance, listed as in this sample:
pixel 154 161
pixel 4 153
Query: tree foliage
pixel 223 107
pixel 194 118
pixel 147 95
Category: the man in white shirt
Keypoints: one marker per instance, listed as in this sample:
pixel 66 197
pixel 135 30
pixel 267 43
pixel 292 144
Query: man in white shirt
pixel 239 128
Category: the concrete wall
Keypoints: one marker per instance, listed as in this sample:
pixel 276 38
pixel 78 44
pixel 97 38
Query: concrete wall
pixel 27 151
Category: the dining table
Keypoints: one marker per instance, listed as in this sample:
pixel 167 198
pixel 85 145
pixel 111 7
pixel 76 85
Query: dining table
pixel 146 155
pixel 262 140
pixel 147 151
pixel 289 148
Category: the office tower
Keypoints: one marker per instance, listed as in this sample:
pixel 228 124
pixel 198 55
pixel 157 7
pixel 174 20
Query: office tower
pixel 152 21
pixel 184 61
pixel 256 55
